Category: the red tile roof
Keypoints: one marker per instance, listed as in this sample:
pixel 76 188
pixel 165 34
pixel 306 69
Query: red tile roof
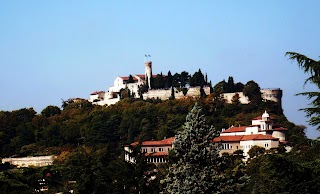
pixel 235 129
pixel 96 92
pixel 233 138
pixel 164 142
pixel 126 78
pixel 258 137
pixel 238 138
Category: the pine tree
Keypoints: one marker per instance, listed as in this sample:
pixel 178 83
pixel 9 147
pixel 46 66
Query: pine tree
pixel 198 168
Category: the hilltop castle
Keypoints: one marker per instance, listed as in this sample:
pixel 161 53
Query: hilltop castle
pixel 133 85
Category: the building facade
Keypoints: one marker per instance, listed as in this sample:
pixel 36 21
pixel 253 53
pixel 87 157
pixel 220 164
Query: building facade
pixel 262 132
pixel 154 151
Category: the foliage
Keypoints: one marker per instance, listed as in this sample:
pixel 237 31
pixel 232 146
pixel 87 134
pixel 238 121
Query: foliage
pixel 252 90
pixel 274 173
pixel 199 169
pixel 256 151
pixel 50 111
pixel 89 140
pixel 312 67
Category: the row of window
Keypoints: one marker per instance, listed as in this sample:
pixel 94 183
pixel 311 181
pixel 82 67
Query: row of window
pixel 156 160
pixel 154 150
pixel 227 146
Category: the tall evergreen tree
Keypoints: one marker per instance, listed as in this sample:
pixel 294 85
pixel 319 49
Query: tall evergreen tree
pixel 312 67
pixel 169 80
pixel 230 84
pixel 198 169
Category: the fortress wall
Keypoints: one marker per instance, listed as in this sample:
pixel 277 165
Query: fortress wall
pixel 161 94
pixel 274 95
pixel 242 98
pixel 195 91
pixel 165 94
pixel 30 161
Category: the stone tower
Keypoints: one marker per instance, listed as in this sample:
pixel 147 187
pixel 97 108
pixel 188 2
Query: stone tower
pixel 148 72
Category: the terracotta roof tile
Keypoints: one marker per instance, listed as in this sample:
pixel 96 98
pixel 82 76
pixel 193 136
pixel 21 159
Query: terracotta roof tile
pixel 126 78
pixel 164 142
pixel 96 92
pixel 233 138
pixel 235 129
pixel 258 137
pixel 238 138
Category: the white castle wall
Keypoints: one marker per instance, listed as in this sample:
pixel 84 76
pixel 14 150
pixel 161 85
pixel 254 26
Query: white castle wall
pixel 165 94
pixel 274 95
pixel 30 161
pixel 242 98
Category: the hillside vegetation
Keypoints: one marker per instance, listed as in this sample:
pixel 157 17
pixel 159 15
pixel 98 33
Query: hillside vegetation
pixel 89 139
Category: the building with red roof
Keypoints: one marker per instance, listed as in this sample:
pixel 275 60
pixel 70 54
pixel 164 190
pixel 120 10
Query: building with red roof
pixel 262 132
pixel 155 151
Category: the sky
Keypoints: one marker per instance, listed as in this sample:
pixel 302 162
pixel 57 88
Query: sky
pixel 55 50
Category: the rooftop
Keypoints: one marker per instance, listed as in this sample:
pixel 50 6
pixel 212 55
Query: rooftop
pixel 164 142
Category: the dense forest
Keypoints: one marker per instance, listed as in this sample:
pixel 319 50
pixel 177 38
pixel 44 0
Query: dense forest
pixel 89 139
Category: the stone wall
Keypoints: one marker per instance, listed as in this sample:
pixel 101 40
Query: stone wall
pixel 165 94
pixel 30 161
pixel 274 95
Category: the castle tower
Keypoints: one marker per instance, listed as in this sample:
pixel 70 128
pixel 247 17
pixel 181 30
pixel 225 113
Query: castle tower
pixel 148 72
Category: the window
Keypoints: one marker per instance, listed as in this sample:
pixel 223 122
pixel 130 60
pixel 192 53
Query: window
pixel 266 145
pixel 160 149
pixel 144 150
pixel 226 146
pixel 152 150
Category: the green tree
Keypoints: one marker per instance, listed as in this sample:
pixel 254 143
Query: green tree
pixel 274 173
pixel 231 85
pixel 221 87
pixel 252 90
pixel 256 151
pixel 312 67
pixel 51 111
pixel 197 79
pixel 130 80
pixel 238 87
pixel 184 78
pixel 198 169
pixel 169 80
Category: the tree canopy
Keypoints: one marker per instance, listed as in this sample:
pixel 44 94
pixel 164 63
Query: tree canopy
pixel 198 169
pixel 312 67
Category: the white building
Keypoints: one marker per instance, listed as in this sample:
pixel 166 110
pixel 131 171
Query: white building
pixel 155 151
pixel 121 83
pixel 263 132
pixel 37 161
